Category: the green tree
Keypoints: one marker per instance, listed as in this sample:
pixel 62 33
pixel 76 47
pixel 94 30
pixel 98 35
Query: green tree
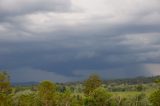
pixel 5 86
pixel 5 90
pixel 64 99
pixel 46 92
pixel 91 84
pixel 99 97
pixel 155 98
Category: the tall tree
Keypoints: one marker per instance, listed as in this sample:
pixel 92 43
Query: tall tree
pixel 46 91
pixel 5 89
pixel 93 82
pixel 5 86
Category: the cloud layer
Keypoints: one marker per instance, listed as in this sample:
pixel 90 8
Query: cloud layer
pixel 65 40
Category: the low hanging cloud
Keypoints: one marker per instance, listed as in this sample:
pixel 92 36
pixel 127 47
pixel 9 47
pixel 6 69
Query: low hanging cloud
pixel 71 39
pixel 35 75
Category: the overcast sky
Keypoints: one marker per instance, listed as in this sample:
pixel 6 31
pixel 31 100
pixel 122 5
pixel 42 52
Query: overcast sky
pixel 66 40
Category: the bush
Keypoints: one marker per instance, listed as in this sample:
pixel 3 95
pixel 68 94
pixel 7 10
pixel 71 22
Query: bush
pixel 155 98
pixel 99 97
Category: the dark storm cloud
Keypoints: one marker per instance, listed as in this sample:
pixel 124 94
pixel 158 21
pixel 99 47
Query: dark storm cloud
pixel 64 56
pixel 58 42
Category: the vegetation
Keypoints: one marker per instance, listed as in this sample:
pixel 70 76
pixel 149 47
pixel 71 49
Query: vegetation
pixel 92 92
pixel 91 84
pixel 155 98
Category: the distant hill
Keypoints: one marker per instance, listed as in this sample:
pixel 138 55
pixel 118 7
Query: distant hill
pixel 137 80
pixel 130 81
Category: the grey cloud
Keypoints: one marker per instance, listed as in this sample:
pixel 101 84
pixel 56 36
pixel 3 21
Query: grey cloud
pixel 55 55
pixel 11 8
pixel 115 72
pixel 63 46
pixel 37 75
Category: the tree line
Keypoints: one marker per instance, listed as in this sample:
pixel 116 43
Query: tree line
pixel 94 93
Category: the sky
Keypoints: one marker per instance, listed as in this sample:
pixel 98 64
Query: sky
pixel 67 40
